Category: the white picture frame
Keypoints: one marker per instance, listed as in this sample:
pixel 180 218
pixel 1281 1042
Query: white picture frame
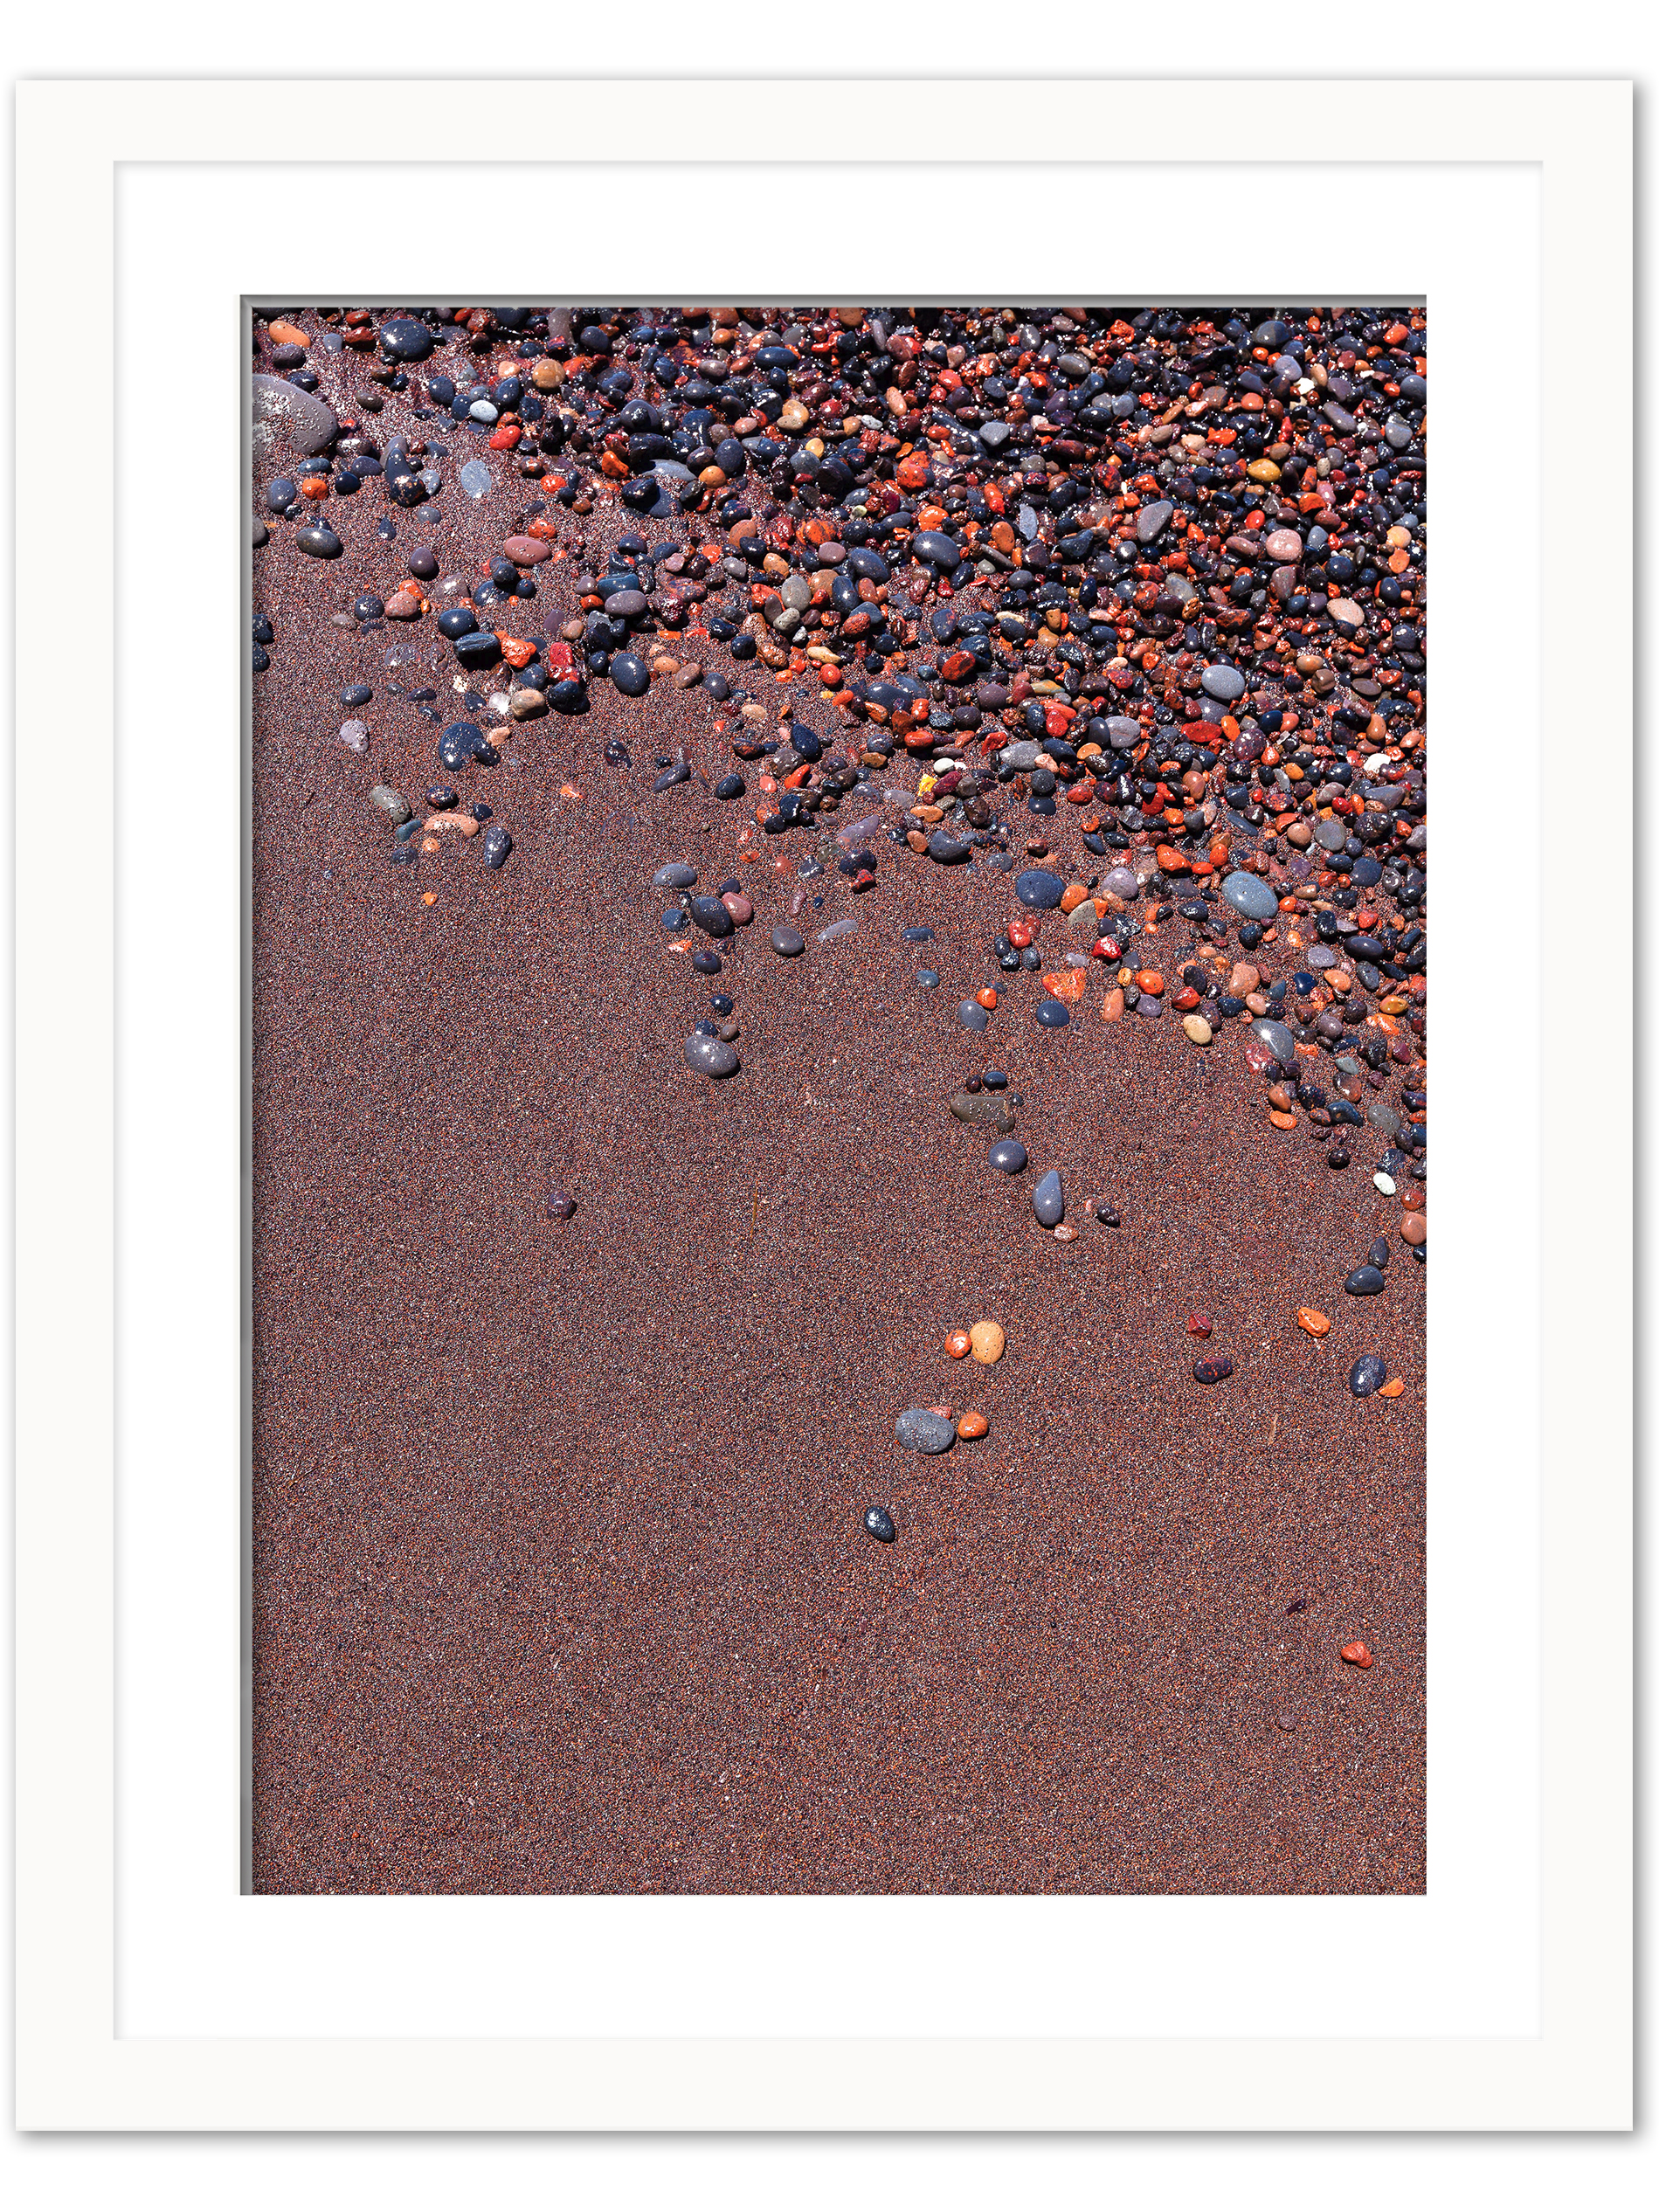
pixel 1564 2060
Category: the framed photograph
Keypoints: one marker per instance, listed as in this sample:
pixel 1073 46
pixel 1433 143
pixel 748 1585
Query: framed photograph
pixel 731 1095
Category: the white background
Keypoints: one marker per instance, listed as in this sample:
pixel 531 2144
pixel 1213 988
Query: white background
pixel 196 1959
pixel 1434 40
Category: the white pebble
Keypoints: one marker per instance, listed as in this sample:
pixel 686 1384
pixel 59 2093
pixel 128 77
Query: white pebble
pixel 1385 1183
pixel 1376 764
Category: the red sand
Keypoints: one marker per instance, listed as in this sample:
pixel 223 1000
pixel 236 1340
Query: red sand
pixel 559 1581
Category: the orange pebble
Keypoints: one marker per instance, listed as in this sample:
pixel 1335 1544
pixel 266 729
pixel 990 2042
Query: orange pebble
pixel 1357 1655
pixel 1150 980
pixel 1313 1321
pixel 958 1344
pixel 1282 1120
pixel 972 1425
pixel 987 998
pixel 1068 984
pixel 1391 1389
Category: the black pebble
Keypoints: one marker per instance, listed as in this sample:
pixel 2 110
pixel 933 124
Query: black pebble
pixel 1212 1371
pixel 1364 1283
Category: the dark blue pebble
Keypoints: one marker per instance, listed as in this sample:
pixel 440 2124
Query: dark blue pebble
pixel 707 962
pixel 711 917
pixel 1368 1373
pixel 918 937
pixel 880 1523
pixel 355 694
pixel 320 541
pixel 994 1079
pixel 629 674
pixel 1053 1015
pixel 927 978
pixel 1364 1283
pixel 730 787
pixel 1212 1371
pixel 1036 887
pixel 1008 1155
pixel 497 846
pixel 678 774
pixel 972 1016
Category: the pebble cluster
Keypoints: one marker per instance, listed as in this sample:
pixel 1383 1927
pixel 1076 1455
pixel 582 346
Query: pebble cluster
pixel 1120 614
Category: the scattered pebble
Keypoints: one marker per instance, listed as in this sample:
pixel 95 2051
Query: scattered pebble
pixel 987 1342
pixel 918 1430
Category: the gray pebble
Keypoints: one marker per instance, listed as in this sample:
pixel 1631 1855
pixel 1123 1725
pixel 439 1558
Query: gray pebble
pixel 920 1431
pixel 1250 895
pixel 1049 1199
pixel 707 1056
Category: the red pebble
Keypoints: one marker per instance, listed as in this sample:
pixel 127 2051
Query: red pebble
pixel 506 438
pixel 1020 933
pixel 1357 1655
pixel 1198 1325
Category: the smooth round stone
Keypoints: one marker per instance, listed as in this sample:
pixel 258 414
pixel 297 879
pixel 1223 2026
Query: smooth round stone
pixel 1248 895
pixel 927 978
pixel 920 936
pixel 1223 683
pixel 740 908
pixel 404 339
pixel 711 917
pixel 948 850
pixel 629 674
pixel 1020 755
pixel 1283 545
pixel 319 541
pixel 986 1342
pixel 707 1056
pixel 560 1205
pixel 1048 1199
pixel 1382 1116
pixel 787 944
pixel 1385 1184
pixel 676 876
pixel 1212 1371
pixel 1276 1038
pixel 1364 1283
pixel 937 548
pixel 497 845
pixel 1152 518
pixel 1052 1013
pixel 1321 956
pixel 628 606
pixel 1008 1155
pixel 1197 1028
pixel 972 1016
pixel 1331 836
pixel 920 1431
pixel 288 424
pixel 1413 1229
pixel 1368 1373
pixel 390 802
pixel 1037 887
pixel 879 1523
pixel 1123 732
pixel 1122 882
pixel 355 737
pixel 730 787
